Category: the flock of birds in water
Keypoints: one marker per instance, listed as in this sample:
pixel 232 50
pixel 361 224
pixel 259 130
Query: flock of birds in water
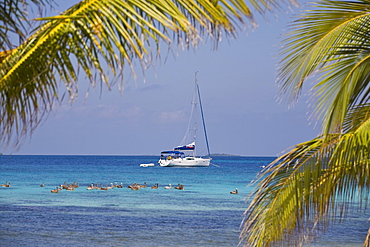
pixel 134 186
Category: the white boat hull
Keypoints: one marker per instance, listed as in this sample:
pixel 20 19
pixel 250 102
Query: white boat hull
pixel 185 162
pixel 146 165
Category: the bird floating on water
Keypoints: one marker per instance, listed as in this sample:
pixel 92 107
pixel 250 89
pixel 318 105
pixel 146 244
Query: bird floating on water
pixel 179 187
pixel 7 184
pixel 168 187
pixel 55 190
pixel 235 191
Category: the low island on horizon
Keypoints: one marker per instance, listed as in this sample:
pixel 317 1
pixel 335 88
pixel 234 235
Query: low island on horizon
pixel 222 154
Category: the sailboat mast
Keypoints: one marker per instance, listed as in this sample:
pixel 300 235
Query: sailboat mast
pixel 204 123
pixel 195 114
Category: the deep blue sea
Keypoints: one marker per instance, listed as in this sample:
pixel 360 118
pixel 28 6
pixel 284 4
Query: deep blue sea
pixel 203 214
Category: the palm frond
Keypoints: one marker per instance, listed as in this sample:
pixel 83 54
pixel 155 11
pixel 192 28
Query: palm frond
pixel 330 43
pixel 313 184
pixel 309 185
pixel 14 20
pixel 276 210
pixel 99 34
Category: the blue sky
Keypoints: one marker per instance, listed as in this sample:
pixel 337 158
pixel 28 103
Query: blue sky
pixel 239 96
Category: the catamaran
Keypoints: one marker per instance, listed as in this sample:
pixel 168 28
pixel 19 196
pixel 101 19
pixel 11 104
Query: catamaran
pixel 185 155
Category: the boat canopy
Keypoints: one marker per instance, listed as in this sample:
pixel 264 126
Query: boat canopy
pixel 171 154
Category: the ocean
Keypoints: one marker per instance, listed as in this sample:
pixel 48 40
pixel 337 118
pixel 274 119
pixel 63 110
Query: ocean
pixel 203 214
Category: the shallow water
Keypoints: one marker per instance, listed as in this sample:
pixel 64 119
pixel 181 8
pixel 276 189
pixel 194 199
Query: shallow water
pixel 204 214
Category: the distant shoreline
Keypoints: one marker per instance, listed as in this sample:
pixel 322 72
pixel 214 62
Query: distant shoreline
pixel 228 155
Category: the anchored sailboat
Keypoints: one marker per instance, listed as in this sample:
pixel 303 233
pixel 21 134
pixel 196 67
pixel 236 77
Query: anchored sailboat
pixel 177 156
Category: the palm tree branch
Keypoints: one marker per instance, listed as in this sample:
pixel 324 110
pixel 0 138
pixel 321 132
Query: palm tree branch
pixel 300 189
pixel 91 34
pixel 340 89
pixel 279 186
pixel 314 47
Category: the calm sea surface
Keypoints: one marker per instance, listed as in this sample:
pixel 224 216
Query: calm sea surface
pixel 203 214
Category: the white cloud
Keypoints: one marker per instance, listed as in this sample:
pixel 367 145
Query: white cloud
pixel 170 117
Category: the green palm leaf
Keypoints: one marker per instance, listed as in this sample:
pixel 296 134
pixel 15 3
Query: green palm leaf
pixel 99 34
pixel 309 185
pixel 312 183
pixel 330 43
pixel 14 21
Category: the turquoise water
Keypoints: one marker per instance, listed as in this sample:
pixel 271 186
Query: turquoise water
pixel 204 214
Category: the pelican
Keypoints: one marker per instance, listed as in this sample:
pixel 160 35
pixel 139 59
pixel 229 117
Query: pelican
pixel 143 186
pixel 134 184
pixel 168 187
pixel 234 192
pixel 135 187
pixel 7 184
pixel 75 185
pixel 90 187
pixel 55 191
pixel 179 187
pixel 64 186
pixel 111 186
pixel 70 187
